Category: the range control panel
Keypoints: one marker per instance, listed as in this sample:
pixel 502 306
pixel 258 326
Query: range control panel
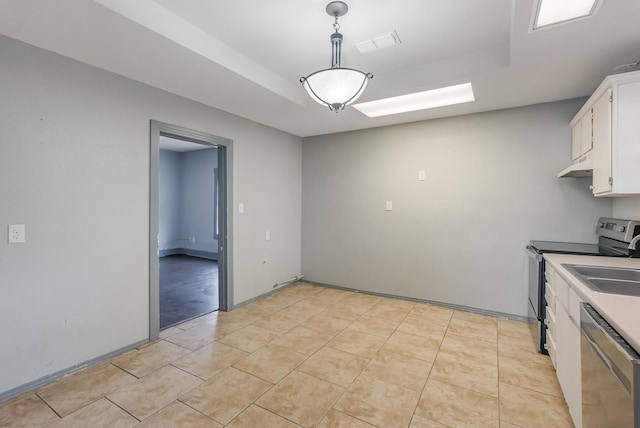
pixel 613 226
pixel 622 230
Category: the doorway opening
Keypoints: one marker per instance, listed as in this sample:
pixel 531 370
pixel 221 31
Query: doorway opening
pixel 188 232
pixel 188 257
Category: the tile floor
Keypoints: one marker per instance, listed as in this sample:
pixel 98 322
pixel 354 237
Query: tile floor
pixel 312 356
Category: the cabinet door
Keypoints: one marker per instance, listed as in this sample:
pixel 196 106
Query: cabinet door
pixel 576 141
pixel 581 139
pixel 568 367
pixel 602 144
pixel 626 145
pixel 586 132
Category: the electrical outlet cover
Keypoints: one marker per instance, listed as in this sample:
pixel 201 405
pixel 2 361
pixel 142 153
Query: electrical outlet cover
pixel 16 233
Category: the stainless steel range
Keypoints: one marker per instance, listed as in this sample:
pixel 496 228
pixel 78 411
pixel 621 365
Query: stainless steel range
pixel 614 237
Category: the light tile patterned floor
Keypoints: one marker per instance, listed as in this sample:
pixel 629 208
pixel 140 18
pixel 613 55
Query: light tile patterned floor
pixel 312 356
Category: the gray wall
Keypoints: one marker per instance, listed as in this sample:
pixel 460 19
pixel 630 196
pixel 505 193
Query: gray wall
pixel 197 199
pixel 459 237
pixel 187 203
pixel 74 167
pixel 627 208
pixel 169 200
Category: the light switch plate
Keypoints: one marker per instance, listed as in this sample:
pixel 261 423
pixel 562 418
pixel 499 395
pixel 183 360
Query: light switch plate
pixel 241 208
pixel 17 233
pixel 267 235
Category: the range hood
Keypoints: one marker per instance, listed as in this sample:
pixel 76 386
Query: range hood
pixel 581 169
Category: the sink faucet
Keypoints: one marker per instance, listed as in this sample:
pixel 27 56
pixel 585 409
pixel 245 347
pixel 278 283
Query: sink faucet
pixel 634 241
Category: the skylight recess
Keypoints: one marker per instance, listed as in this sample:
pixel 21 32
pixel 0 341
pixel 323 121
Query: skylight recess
pixel 440 97
pixel 550 12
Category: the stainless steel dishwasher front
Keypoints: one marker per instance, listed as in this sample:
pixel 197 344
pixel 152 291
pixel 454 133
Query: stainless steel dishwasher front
pixel 610 375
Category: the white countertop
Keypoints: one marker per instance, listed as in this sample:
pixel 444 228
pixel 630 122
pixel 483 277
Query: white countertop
pixel 622 312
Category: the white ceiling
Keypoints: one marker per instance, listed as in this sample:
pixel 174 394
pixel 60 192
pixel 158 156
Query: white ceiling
pixel 246 56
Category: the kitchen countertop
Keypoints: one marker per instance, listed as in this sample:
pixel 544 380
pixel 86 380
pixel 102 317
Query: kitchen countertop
pixel 622 312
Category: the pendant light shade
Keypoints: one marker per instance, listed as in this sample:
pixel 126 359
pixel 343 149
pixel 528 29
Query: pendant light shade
pixel 336 87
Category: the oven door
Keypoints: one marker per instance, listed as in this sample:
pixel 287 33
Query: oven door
pixel 536 298
pixel 536 279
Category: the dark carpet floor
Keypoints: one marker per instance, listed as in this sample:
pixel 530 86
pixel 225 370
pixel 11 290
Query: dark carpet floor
pixel 188 288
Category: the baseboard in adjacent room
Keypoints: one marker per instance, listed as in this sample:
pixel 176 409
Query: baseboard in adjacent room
pixel 189 252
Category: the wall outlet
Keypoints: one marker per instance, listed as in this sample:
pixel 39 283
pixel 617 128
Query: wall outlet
pixel 17 233
pixel 241 208
pixel 422 175
pixel 267 235
pixel 388 205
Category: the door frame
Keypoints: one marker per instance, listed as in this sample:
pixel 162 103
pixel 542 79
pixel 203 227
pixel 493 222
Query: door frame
pixel 225 217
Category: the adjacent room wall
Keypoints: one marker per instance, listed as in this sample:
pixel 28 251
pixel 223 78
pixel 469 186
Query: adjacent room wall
pixel 187 204
pixel 458 237
pixel 197 200
pixel 169 200
pixel 74 168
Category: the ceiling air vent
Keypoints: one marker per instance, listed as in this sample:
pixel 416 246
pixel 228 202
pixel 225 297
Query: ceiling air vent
pixel 380 42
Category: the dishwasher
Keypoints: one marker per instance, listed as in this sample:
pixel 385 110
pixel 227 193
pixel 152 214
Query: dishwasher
pixel 610 375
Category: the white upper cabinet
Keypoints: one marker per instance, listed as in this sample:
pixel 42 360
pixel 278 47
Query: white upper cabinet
pixel 606 137
pixel 602 172
pixel 581 138
pixel 576 136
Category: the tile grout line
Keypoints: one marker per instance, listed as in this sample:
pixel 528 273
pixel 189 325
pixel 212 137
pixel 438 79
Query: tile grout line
pixel 125 410
pixel 250 353
pixel 323 380
pixel 232 366
pixel 170 363
pixel 177 400
pixel 430 370
pixel 346 389
pixel 328 381
pixel 471 390
pixel 267 410
pixel 369 362
pixel 48 405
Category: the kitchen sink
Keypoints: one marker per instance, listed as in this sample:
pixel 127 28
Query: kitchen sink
pixel 607 279
pixel 615 286
pixel 607 272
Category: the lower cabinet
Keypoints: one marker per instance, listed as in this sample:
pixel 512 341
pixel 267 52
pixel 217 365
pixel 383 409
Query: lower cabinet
pixel 567 344
pixel 568 368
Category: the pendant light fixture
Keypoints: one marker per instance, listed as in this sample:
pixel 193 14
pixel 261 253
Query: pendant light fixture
pixel 336 87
